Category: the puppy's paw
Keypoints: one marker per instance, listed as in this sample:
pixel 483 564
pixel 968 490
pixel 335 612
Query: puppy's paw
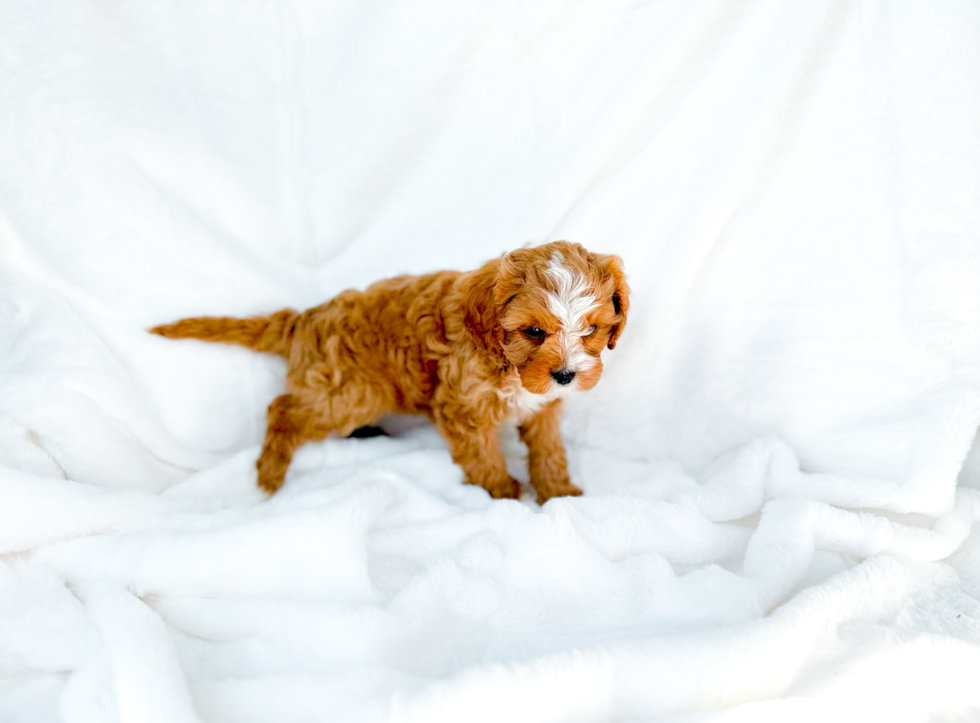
pixel 506 489
pixel 562 488
pixel 272 473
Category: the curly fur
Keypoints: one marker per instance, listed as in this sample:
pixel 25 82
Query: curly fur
pixel 450 345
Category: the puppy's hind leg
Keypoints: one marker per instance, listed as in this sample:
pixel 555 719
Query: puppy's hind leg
pixel 309 416
pixel 288 428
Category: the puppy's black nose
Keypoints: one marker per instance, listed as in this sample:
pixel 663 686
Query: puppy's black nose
pixel 563 376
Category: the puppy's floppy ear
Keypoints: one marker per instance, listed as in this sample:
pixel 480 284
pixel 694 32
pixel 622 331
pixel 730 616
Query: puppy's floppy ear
pixel 614 283
pixel 486 295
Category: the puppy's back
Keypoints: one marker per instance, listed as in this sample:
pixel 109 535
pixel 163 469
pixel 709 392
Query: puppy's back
pixel 394 332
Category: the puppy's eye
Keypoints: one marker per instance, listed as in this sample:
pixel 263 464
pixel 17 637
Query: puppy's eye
pixel 592 330
pixel 535 333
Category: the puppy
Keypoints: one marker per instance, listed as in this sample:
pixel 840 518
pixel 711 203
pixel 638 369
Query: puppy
pixel 468 350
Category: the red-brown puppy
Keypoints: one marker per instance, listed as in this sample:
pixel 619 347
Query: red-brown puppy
pixel 468 350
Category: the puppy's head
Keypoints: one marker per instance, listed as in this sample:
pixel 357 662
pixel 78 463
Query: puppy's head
pixel 550 311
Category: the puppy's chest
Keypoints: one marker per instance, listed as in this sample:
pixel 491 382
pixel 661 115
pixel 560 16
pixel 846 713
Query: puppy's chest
pixel 522 404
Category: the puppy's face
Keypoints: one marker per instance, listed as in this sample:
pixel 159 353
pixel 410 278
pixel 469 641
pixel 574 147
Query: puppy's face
pixel 559 306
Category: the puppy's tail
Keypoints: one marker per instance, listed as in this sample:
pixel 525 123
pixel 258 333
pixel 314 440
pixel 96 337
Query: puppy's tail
pixel 272 334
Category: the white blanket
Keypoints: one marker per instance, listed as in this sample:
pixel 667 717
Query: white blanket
pixel 777 513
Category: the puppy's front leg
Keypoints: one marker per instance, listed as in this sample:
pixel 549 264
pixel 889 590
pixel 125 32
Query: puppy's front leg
pixel 546 455
pixel 477 450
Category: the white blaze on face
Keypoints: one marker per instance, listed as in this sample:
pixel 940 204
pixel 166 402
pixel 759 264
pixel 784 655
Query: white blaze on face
pixel 570 302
